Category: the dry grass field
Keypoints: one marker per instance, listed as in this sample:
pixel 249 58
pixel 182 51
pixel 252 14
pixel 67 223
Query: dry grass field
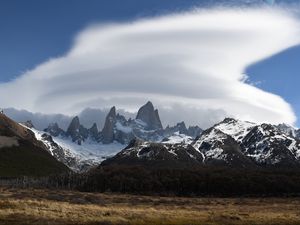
pixel 53 207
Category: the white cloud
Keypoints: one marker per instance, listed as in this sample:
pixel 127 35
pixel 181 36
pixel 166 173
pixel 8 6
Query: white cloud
pixel 192 63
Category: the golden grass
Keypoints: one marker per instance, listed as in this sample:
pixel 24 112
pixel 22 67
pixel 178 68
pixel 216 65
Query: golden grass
pixel 65 207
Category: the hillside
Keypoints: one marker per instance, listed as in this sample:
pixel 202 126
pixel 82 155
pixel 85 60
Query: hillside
pixel 21 154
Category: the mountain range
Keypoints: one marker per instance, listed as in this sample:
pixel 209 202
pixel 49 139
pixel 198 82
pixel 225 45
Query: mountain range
pixel 147 126
pixel 144 141
pixel 80 147
pixel 230 143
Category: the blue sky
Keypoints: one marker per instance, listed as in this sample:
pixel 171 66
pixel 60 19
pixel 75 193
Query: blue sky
pixel 280 74
pixel 34 31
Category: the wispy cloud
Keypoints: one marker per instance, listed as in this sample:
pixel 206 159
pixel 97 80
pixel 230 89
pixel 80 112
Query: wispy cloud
pixel 192 63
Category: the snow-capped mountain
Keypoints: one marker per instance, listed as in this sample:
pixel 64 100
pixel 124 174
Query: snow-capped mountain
pixel 156 155
pixel 80 147
pixel 289 130
pixel 220 148
pixel 237 129
pixel 266 144
pixel 77 157
pixel 146 126
pixel 231 143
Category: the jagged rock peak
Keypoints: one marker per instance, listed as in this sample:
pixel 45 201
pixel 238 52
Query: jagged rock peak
pixel 288 130
pixel 108 129
pixel 111 117
pixel 150 116
pixel 54 130
pixel 182 125
pixel 149 103
pixel 53 125
pixel 78 132
pixel 28 124
pixel 94 128
pixel 74 126
pixel 93 131
pixel 194 131
pixel 229 120
pixel 112 112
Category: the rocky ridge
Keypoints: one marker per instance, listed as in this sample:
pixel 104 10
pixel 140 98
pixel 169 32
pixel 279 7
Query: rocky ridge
pixel 231 143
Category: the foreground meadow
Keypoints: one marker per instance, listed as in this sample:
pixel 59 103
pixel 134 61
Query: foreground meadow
pixel 33 206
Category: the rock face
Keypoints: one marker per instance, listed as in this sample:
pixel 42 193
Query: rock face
pixel 58 152
pixel 288 130
pixel 93 132
pixel 298 134
pixel 108 129
pixel 76 131
pixel 182 128
pixel 267 145
pixel 221 149
pixel 54 130
pixel 179 127
pixel 194 131
pixel 150 116
pixel 147 126
pixel 73 128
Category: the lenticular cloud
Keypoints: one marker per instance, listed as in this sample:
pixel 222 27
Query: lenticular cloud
pixel 192 63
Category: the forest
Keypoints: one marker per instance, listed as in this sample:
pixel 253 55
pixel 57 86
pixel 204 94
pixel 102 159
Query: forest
pixel 206 181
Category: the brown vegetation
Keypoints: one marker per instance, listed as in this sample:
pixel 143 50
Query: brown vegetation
pixel 33 206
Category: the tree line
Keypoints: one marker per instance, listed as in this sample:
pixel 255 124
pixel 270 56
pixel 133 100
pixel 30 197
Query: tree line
pixel 175 182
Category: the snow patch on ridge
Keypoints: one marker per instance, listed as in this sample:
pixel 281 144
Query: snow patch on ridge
pixel 236 129
pixel 216 153
pixel 213 136
pixel 89 152
pixel 177 138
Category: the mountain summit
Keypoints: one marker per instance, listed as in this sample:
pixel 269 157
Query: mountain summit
pixel 108 129
pixel 150 116
pixel 76 131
